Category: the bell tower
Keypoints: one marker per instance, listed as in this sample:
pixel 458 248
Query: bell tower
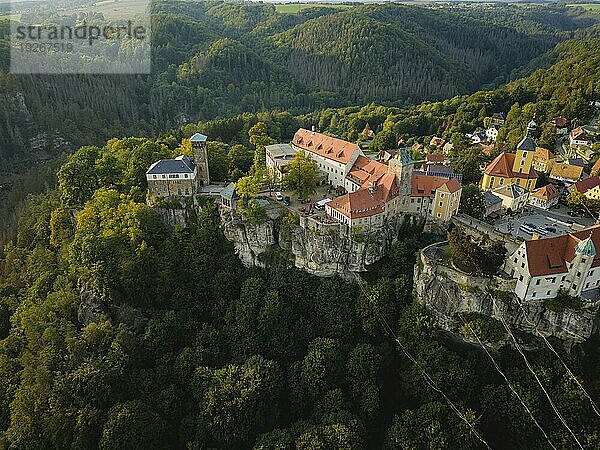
pixel 200 153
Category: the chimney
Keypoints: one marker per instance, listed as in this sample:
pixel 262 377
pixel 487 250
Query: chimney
pixel 535 237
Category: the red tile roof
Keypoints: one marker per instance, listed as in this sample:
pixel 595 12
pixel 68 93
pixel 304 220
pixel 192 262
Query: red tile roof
pixel 326 146
pixel 426 185
pixel 542 154
pixel 435 158
pixel 365 169
pixel 502 166
pixel 546 193
pixel 367 201
pixel 548 256
pixel 585 185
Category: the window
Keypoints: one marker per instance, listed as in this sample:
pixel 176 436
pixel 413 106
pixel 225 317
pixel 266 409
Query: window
pixel 533 294
pixel 522 265
pixel 537 282
pixel 548 293
pixel 154 177
pixel 441 204
pixel 521 278
pixel 578 274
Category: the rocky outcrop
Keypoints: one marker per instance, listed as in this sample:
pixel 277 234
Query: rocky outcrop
pixel 448 292
pixel 93 306
pixel 322 249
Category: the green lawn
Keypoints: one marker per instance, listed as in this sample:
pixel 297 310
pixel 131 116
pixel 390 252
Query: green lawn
pixel 295 8
pixel 114 9
pixel 593 7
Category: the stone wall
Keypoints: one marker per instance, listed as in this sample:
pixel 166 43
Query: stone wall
pixel 446 291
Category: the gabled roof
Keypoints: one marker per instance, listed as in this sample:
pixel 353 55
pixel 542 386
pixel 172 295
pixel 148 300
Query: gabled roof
pixel 579 134
pixel 490 199
pixel 426 185
pixel 510 191
pixel 181 164
pixel 367 201
pixel 567 171
pixel 326 146
pixel 546 193
pixel 543 154
pixel 585 185
pixel 365 169
pixel 595 168
pixel 559 122
pixel 280 150
pixel 502 166
pixel 198 137
pixel 549 256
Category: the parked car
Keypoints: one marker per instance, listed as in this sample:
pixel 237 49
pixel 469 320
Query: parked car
pixel 279 196
pixel 572 213
pixel 286 201
pixel 557 206
pixel 551 229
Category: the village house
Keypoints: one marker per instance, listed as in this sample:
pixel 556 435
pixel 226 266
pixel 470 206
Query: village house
pixel 543 160
pixel 498 118
pixel 437 142
pixel 493 204
pixel 569 262
pixel 561 125
pixel 277 157
pixel 492 132
pixel 513 168
pixel 595 168
pixel 513 196
pixel 590 187
pixel 181 176
pixel 566 172
pixel 545 197
pixel 385 155
pixel 579 137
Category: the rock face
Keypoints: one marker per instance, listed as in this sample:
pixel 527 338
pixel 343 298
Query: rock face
pixel 93 306
pixel 322 249
pixel 446 292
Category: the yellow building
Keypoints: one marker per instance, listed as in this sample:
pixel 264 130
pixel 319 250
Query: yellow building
pixel 437 197
pixel 513 168
pixel 590 187
pixel 543 159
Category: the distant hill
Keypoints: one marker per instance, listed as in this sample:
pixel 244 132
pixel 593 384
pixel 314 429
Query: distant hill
pixel 213 59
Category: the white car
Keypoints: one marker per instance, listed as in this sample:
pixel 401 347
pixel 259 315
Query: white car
pixel 279 196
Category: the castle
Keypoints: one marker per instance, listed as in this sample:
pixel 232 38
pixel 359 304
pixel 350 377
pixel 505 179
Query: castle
pixel 374 190
pixel 182 176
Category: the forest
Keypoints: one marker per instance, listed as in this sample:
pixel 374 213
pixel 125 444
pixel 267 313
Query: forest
pixel 116 332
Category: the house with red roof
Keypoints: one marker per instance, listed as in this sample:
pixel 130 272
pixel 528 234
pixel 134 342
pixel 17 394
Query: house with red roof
pixel 545 197
pixel 569 262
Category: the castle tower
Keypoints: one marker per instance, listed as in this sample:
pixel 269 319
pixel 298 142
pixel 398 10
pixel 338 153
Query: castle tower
pixel 402 165
pixel 585 252
pixel 200 153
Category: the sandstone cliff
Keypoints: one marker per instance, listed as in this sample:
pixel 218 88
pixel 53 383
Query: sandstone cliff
pixel 446 292
pixel 323 249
